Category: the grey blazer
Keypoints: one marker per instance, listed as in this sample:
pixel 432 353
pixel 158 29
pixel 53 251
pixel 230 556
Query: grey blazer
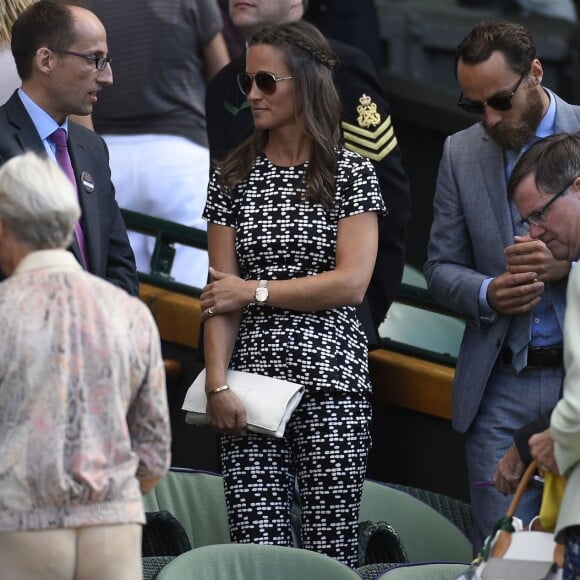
pixel 471 227
pixel 110 254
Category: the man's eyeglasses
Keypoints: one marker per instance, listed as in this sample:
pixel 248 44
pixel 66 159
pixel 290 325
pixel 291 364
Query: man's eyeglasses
pixel 497 102
pixel 538 216
pixel 265 81
pixel 99 61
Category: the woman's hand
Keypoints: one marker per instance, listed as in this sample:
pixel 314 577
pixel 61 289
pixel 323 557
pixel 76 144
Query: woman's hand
pixel 226 413
pixel 225 293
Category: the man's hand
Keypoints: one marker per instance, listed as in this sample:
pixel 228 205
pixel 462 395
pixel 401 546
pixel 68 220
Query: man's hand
pixel 514 293
pixel 529 255
pixel 509 471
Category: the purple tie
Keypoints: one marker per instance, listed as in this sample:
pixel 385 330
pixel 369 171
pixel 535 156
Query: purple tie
pixel 63 159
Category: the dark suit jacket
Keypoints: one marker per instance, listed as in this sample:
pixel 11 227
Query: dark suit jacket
pixel 354 23
pixel 229 122
pixel 110 254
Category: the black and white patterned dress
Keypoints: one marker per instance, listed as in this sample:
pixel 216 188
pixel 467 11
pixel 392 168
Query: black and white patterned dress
pixel 280 236
pixel 324 450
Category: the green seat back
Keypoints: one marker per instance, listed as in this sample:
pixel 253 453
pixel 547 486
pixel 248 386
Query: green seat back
pixel 425 571
pixel 196 499
pixel 255 562
pixel 427 536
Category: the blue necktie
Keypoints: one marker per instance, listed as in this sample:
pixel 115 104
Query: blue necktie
pixel 519 333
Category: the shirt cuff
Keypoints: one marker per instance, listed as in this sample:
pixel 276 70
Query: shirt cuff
pixel 486 313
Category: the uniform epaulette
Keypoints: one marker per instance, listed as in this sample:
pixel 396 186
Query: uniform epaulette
pixel 370 137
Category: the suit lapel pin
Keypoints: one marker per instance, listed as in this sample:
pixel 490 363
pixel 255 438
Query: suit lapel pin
pixel 88 182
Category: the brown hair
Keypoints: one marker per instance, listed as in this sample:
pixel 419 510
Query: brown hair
pixel 43 24
pixel 554 160
pixel 307 55
pixel 513 40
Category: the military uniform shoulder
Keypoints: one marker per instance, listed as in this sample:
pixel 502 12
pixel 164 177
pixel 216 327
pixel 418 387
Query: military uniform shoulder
pixel 366 124
pixel 368 130
pixel 348 53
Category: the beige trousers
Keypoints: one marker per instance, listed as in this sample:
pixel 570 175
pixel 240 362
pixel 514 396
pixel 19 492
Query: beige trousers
pixel 110 552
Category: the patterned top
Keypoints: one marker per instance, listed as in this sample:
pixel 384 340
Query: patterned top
pixel 83 406
pixel 279 237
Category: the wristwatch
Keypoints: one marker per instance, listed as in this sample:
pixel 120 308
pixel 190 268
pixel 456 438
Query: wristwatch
pixel 262 293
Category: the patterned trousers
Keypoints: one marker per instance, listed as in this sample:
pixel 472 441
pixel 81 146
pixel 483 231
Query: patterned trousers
pixel 571 569
pixel 324 453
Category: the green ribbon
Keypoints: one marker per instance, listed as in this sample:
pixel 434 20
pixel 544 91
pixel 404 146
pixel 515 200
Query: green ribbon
pixel 505 524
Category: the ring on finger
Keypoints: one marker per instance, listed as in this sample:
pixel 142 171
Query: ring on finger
pixel 210 312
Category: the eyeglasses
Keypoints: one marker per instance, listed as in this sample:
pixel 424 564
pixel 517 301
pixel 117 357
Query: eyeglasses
pixel 497 102
pixel 100 61
pixel 538 216
pixel 265 81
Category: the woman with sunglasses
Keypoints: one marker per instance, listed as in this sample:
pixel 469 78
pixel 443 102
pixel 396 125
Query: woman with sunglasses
pixel 292 240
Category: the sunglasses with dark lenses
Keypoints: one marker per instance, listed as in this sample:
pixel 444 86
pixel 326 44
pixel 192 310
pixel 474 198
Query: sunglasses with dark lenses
pixel 497 102
pixel 265 81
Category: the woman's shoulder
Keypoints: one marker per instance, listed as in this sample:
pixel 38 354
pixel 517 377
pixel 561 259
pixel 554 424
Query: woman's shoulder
pixel 347 159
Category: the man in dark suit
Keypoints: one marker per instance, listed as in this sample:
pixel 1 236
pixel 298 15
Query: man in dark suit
pixel 366 128
pixel 61 57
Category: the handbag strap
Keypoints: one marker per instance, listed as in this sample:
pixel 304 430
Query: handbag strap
pixel 522 485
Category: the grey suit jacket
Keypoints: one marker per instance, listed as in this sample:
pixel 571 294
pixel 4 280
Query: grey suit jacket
pixel 110 254
pixel 471 227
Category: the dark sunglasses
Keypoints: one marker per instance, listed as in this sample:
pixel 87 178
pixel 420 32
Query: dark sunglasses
pixel 265 81
pixel 497 102
pixel 538 216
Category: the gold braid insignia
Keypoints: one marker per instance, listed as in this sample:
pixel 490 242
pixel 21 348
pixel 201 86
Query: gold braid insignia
pixel 368 116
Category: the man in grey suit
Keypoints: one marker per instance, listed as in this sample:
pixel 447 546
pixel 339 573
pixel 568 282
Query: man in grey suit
pixel 62 58
pixel 483 266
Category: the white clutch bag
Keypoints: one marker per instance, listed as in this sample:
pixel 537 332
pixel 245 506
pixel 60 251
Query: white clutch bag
pixel 269 402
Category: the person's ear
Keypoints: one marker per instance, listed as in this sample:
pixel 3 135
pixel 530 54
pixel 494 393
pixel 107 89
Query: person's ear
pixel 537 71
pixel 44 60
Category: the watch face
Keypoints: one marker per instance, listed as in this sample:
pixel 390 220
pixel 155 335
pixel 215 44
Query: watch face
pixel 261 294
